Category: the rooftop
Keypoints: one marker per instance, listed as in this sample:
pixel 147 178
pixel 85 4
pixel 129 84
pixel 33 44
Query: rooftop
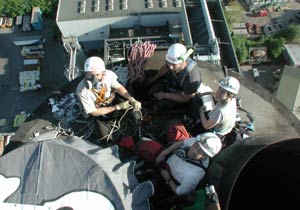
pixel 85 9
pixel 294 51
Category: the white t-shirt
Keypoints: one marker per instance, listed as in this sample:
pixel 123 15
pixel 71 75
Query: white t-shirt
pixel 88 98
pixel 225 116
pixel 187 174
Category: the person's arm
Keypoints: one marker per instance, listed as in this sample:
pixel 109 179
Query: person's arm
pixel 168 180
pixel 103 110
pixel 162 156
pixel 123 92
pixel 206 123
pixel 162 71
pixel 181 98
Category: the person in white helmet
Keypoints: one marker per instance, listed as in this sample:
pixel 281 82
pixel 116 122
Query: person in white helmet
pixel 221 119
pixel 183 164
pixel 96 92
pixel 177 81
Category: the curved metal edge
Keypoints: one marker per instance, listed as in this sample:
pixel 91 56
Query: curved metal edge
pixel 227 166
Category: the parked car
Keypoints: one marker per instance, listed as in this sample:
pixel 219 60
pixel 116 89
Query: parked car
pixel 261 13
pixel 274 28
pixel 9 22
pixel 2 22
pixel 257 28
pixel 250 28
pixel 26 23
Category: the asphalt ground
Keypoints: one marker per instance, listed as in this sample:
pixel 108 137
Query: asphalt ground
pixel 11 63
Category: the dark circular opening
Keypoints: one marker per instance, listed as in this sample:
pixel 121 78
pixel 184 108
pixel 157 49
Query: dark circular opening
pixel 270 180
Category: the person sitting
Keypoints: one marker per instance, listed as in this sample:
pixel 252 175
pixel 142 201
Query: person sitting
pixel 96 93
pixel 177 81
pixel 182 165
pixel 221 119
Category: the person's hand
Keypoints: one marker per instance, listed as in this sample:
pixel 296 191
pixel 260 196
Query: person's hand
pixel 159 95
pixel 165 174
pixel 160 158
pixel 136 104
pixel 123 105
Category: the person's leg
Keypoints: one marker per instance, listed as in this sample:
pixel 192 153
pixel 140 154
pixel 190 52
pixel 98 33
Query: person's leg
pixel 102 128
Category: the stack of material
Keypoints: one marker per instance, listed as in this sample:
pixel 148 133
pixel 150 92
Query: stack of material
pixel 20 119
pixel 29 80
pixel 30 77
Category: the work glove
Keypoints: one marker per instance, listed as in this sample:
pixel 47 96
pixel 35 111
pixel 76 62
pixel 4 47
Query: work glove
pixel 136 104
pixel 123 105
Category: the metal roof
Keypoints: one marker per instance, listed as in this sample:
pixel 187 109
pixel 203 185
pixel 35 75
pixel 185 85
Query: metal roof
pixel 289 89
pixel 85 9
pixel 293 51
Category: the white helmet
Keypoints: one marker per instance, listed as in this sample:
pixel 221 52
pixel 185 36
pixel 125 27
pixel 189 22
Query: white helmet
pixel 210 143
pixel 176 53
pixel 230 84
pixel 95 64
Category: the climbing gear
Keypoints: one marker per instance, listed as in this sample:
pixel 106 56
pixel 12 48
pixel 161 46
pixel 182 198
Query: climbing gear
pixel 230 84
pixel 210 143
pixel 123 105
pixel 136 104
pixel 138 54
pixel 94 64
pixel 177 53
pixel 101 99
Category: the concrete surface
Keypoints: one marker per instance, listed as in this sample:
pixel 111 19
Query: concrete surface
pixel 11 63
pixel 271 117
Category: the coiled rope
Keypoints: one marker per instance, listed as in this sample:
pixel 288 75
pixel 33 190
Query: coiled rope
pixel 137 56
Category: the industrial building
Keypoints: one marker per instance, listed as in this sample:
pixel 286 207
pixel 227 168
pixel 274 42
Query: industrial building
pixel 288 92
pixel 113 25
pixel 291 54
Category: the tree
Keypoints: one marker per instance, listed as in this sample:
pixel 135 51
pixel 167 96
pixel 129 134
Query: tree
pixel 275 46
pixel 1 6
pixel 14 8
pixel 240 44
pixel 292 32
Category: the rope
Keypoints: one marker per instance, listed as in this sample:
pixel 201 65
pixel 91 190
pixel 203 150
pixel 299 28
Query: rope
pixel 138 54
pixel 115 127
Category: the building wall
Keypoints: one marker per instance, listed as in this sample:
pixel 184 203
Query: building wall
pixel 288 88
pixel 291 54
pixel 98 29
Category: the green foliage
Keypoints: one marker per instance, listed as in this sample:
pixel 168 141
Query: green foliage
pixel 1 6
pixel 13 8
pixel 275 46
pixel 291 33
pixel 240 44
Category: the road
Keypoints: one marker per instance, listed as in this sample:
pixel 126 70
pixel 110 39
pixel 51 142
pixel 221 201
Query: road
pixel 11 63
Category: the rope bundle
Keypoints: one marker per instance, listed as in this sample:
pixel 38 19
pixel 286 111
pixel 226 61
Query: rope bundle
pixel 137 56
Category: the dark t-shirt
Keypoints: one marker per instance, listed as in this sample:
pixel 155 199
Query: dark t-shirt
pixel 187 81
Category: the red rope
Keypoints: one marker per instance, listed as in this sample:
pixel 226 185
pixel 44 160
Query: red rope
pixel 137 56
